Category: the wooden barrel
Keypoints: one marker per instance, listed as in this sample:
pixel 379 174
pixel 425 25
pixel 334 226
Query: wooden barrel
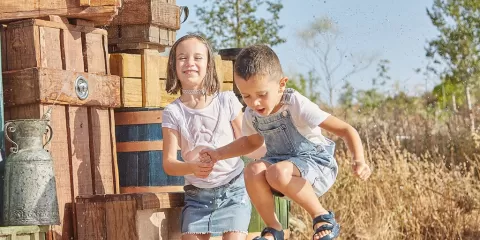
pixel 139 146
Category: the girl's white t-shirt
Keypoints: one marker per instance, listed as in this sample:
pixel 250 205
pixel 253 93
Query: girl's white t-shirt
pixel 206 127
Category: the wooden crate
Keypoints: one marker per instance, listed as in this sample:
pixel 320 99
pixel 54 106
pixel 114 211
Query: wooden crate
pixel 136 216
pixel 44 59
pixel 143 78
pixel 24 233
pixel 144 24
pixel 100 12
pixel 55 44
pixel 163 14
pixel 124 38
pixel 224 73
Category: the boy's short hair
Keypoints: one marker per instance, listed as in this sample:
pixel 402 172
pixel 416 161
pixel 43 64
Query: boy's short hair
pixel 260 60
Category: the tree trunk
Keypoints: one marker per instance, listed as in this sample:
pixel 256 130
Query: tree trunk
pixel 469 107
pixel 454 103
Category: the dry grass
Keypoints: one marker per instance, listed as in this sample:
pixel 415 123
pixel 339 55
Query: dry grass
pixel 426 193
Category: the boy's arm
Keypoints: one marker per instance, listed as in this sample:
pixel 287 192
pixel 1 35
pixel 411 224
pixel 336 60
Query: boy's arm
pixel 348 134
pixel 242 146
pixel 237 129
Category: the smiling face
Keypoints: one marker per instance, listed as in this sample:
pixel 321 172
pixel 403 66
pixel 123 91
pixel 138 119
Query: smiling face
pixel 261 93
pixel 191 63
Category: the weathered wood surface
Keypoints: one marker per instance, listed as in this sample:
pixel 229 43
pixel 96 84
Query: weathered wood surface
pixel 101 12
pixel 45 85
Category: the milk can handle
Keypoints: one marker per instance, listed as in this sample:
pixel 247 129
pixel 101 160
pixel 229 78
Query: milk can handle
pixel 12 129
pixel 51 135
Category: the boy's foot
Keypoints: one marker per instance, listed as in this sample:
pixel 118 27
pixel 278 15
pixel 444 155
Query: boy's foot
pixel 325 227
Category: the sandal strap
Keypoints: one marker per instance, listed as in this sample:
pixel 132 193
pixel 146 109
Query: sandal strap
pixel 277 235
pixel 327 218
pixel 330 225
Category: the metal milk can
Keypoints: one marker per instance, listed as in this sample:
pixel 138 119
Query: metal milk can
pixel 29 196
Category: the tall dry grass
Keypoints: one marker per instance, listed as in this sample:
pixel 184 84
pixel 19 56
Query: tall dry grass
pixel 425 188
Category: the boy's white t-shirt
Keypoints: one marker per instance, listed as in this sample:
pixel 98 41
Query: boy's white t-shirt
pixel 196 128
pixel 306 116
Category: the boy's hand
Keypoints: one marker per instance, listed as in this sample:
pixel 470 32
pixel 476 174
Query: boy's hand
pixel 361 169
pixel 201 169
pixel 209 155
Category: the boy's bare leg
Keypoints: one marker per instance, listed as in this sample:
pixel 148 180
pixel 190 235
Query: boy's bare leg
pixel 286 178
pixel 260 193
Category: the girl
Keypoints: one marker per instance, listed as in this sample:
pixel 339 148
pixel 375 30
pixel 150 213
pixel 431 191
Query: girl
pixel 216 200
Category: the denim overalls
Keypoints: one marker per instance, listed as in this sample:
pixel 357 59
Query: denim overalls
pixel 283 141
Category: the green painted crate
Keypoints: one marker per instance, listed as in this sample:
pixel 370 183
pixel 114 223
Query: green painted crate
pixel 282 209
pixel 23 233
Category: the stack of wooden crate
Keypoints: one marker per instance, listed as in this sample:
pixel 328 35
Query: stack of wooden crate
pixel 58 65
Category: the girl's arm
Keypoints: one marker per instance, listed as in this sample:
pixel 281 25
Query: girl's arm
pixel 348 134
pixel 237 130
pixel 171 165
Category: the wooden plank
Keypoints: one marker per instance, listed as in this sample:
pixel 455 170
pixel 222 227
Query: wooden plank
pixel 126 65
pixel 165 15
pixel 100 147
pixel 227 71
pixel 139 117
pixel 166 98
pixel 91 220
pixel 3 48
pixel 131 90
pixel 39 43
pixel 163 67
pixel 78 126
pixel 85 3
pixel 59 25
pixel 121 219
pixel 160 13
pixel 11 10
pixel 141 146
pixel 50 48
pixel 20 53
pixel 55 18
pixel 72 45
pixel 134 47
pixel 166 37
pixel 144 200
pixel 154 189
pixel 94 53
pixel 43 85
pixel 105 54
pixel 151 87
pixel 113 142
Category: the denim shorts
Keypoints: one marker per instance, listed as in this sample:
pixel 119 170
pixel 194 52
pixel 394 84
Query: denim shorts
pixel 226 208
pixel 320 169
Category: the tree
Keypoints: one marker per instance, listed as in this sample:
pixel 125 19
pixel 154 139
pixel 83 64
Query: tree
pixel 304 85
pixel 325 59
pixel 456 48
pixel 236 23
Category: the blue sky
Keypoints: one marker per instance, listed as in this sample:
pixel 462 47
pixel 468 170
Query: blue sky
pixel 391 29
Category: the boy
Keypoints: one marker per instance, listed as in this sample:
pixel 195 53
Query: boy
pixel 299 162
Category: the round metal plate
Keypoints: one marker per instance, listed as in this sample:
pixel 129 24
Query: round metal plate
pixel 81 87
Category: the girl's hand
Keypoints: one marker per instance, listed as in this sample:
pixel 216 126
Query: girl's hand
pixel 201 169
